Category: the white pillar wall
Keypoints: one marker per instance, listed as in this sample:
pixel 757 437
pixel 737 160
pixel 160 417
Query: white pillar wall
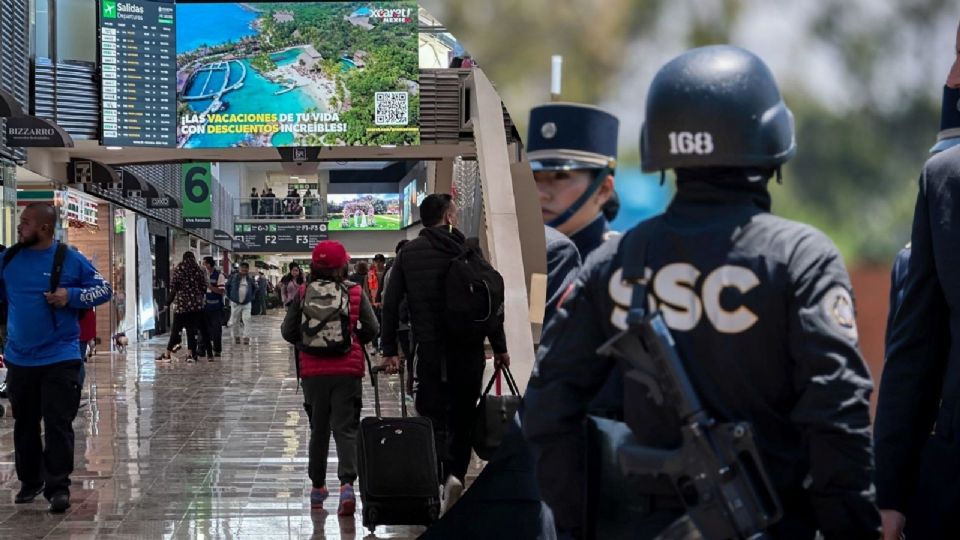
pixel 131 308
pixel 502 225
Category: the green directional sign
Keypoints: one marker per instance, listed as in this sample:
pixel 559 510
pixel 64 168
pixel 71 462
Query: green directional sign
pixel 197 207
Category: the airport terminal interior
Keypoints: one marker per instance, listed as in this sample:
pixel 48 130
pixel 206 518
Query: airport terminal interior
pixel 154 132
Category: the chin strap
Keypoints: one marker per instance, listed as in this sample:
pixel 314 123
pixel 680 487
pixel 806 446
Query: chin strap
pixel 582 200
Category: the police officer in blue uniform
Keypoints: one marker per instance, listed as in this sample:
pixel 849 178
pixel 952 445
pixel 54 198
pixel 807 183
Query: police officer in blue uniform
pixel 948 137
pixel 572 150
pixel 918 454
pixel 760 309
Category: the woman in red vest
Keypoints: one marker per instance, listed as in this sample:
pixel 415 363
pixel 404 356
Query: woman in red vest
pixel 332 384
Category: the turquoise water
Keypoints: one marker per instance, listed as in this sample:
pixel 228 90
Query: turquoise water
pixel 256 96
pixel 286 58
pixel 347 64
pixel 211 24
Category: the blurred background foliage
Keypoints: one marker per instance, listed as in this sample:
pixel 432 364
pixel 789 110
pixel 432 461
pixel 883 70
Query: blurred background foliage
pixel 863 78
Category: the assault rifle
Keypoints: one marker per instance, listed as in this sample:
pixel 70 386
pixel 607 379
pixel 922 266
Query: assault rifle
pixel 716 471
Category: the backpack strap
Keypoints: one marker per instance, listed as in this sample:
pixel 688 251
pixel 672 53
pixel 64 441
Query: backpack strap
pixel 58 257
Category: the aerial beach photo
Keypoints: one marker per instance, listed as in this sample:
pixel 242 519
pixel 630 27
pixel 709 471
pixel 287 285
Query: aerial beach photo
pixel 263 74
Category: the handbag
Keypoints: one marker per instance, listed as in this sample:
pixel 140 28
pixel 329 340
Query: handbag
pixel 494 415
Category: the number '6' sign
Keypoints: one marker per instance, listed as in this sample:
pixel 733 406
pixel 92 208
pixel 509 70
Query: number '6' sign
pixel 196 186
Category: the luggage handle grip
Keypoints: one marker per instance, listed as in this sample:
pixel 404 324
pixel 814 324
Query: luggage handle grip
pixel 376 370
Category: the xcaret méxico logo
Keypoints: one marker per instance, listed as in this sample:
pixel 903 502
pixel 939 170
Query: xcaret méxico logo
pixel 392 15
pixel 109 8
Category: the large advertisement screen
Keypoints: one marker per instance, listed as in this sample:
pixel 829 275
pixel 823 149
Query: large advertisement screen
pixel 412 194
pixel 267 74
pixel 364 212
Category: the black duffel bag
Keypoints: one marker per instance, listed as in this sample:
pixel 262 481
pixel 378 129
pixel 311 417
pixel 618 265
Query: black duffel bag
pixel 494 416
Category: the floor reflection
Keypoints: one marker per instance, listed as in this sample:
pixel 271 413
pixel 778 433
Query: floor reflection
pixel 206 450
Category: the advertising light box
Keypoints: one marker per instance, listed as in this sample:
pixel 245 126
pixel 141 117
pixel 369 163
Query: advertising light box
pixel 412 194
pixel 364 212
pixel 269 74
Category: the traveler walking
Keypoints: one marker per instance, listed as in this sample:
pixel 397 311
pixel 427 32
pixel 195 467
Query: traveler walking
pixel 213 309
pixel 449 368
pixel 329 322
pixel 46 286
pixel 241 290
pixel 188 287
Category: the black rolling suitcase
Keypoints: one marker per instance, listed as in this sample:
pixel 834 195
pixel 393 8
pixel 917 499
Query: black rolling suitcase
pixel 397 467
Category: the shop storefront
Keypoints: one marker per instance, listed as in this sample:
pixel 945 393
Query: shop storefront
pixel 8 203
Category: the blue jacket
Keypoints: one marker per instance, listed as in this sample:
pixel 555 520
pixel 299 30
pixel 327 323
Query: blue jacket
pixel 233 289
pixel 33 337
pixel 563 263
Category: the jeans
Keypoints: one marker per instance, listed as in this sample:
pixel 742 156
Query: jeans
pixel 213 319
pixel 333 404
pixel 240 320
pixel 50 394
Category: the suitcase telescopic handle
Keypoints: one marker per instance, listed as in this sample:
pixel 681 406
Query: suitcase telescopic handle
pixel 374 372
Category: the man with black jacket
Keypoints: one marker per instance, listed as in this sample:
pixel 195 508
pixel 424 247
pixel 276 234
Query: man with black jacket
pixel 759 308
pixel 449 374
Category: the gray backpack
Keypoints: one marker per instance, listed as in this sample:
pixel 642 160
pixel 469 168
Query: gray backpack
pixel 325 322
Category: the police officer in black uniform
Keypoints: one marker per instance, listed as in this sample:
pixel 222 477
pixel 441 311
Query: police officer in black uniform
pixel 918 449
pixel 759 306
pixel 572 150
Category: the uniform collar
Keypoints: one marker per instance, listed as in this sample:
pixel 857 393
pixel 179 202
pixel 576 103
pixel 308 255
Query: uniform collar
pixel 591 236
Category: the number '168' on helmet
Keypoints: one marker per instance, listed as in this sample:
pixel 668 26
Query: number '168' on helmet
pixel 716 106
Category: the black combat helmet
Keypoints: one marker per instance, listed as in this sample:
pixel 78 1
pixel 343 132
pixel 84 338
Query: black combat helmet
pixel 716 106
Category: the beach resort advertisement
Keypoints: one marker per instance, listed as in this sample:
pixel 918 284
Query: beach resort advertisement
pixel 269 74
pixel 363 212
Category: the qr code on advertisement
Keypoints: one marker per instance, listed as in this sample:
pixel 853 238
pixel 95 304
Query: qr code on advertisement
pixel 391 109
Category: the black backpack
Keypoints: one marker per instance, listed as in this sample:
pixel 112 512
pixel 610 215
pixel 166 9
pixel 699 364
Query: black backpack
pixel 474 296
pixel 58 258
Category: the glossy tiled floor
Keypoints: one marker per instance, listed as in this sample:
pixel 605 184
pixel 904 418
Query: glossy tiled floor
pixel 191 451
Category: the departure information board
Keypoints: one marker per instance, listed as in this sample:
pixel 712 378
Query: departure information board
pixel 139 72
pixel 278 237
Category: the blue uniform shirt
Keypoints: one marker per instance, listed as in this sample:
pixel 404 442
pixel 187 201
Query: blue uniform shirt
pixel 34 338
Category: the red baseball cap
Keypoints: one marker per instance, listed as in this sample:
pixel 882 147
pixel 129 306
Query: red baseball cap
pixel 330 254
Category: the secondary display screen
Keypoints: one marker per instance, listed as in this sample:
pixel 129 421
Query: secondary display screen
pixel 412 194
pixel 267 74
pixel 138 72
pixel 364 212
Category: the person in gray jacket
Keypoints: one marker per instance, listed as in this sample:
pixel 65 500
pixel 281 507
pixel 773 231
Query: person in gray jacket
pixel 241 290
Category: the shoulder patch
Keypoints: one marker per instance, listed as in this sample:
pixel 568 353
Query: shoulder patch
pixel 837 305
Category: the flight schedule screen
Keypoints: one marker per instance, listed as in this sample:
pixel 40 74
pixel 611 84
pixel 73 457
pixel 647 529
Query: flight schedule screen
pixel 139 72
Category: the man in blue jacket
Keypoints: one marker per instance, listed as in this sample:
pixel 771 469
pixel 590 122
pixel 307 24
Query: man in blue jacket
pixel 43 354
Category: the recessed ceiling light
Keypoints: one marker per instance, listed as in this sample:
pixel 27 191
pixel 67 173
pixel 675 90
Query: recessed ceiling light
pixel 114 148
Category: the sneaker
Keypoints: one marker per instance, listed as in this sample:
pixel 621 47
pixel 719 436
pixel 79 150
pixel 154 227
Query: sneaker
pixel 216 354
pixel 246 341
pixel 452 490
pixel 59 503
pixel 348 501
pixel 209 358
pixel 191 359
pixel 3 390
pixel 28 493
pixel 317 496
